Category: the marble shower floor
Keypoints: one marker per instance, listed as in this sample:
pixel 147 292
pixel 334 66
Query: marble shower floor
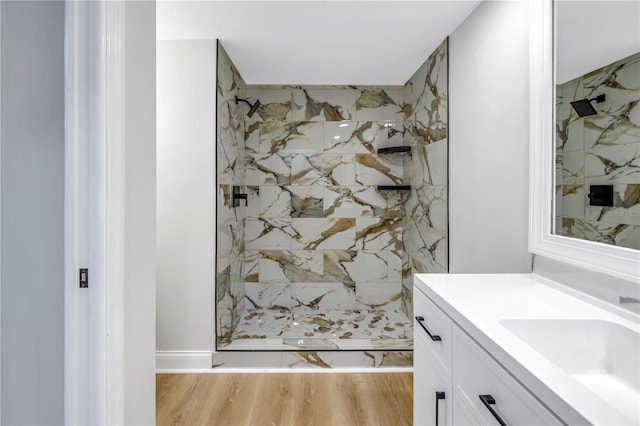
pixel 303 328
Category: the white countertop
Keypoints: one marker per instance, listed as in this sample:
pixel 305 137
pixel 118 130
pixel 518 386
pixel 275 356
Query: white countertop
pixel 477 302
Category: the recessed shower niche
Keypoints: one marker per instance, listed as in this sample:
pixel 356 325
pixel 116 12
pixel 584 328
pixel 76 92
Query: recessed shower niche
pixel 346 199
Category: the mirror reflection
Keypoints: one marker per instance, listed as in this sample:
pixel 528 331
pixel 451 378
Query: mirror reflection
pixel 597 57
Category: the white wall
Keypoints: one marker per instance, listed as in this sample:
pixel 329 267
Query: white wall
pixel 140 205
pixel 489 140
pixel 32 192
pixel 185 204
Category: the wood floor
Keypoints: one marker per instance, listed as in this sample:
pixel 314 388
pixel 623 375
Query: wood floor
pixel 325 399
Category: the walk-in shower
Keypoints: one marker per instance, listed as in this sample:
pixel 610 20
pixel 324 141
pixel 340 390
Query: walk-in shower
pixel 345 200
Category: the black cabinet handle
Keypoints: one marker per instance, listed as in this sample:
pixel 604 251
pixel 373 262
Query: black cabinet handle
pixel 439 396
pixel 434 337
pixel 488 401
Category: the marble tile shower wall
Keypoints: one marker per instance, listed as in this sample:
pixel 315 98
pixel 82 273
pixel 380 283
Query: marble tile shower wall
pixel 318 232
pixel 426 226
pixel 602 149
pixel 230 245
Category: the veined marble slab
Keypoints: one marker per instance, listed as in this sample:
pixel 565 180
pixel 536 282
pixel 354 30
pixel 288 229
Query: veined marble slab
pixel 429 204
pixel 613 164
pixel 322 234
pixel 306 201
pixel 267 169
pixel 616 234
pixel 371 296
pixel 268 233
pixel 378 233
pixel 268 295
pixel 615 125
pixel 573 201
pixel 379 104
pixel 354 201
pixel 323 169
pixel 275 105
pixel 307 328
pixel 380 169
pixel 323 296
pixel 572 167
pixel 291 265
pixel 297 137
pixel 324 104
pixel 362 137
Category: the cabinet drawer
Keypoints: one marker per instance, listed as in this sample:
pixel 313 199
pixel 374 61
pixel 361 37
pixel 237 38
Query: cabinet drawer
pixel 434 321
pixel 475 374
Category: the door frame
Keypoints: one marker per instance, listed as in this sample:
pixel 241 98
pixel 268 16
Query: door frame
pixel 94 211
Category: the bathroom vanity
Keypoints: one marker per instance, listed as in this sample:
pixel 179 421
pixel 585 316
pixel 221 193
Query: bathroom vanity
pixel 521 349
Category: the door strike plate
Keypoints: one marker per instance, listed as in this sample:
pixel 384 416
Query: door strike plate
pixel 84 278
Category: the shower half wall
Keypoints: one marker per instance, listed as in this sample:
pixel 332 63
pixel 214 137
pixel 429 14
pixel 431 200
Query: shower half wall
pixel 320 257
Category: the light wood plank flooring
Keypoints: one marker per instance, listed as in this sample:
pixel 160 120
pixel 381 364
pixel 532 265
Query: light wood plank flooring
pixel 325 399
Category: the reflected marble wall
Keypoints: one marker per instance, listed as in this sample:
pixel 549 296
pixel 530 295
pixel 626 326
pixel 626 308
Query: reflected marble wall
pixel 230 227
pixel 602 149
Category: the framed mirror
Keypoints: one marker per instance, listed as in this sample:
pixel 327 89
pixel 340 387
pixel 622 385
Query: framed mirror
pixel 552 235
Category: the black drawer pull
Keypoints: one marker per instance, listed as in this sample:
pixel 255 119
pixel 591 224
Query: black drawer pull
pixel 434 337
pixel 488 401
pixel 439 396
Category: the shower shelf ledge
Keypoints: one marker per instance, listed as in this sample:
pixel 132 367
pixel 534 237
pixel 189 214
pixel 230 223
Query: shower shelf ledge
pixel 394 187
pixel 394 150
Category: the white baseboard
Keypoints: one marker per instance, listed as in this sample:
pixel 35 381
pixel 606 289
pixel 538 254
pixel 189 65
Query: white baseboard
pixel 183 360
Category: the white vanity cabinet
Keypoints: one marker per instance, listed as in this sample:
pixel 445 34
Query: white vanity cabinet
pixel 432 343
pixel 449 364
pixel 478 377
pixel 432 389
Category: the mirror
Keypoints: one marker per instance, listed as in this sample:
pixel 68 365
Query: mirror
pixel 597 121
pixel 579 58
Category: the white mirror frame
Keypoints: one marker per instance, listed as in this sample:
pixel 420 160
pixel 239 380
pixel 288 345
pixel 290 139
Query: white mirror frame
pixel 617 261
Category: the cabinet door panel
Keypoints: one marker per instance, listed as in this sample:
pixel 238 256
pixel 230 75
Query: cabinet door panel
pixel 475 374
pixel 428 379
pixel 462 414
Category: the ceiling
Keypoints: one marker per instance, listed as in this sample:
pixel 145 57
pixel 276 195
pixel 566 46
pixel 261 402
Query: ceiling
pixel 318 42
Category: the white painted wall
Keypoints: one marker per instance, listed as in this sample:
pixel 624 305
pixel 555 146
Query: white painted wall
pixel 32 193
pixel 185 205
pixel 489 140
pixel 140 213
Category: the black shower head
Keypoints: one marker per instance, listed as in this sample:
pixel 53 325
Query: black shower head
pixel 254 107
pixel 584 108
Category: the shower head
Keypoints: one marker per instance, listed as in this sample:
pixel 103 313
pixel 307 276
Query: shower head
pixel 584 108
pixel 253 107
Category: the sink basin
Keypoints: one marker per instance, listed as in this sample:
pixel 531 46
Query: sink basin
pixel 601 355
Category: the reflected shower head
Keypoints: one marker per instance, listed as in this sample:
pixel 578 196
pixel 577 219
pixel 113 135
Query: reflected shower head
pixel 253 107
pixel 584 108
